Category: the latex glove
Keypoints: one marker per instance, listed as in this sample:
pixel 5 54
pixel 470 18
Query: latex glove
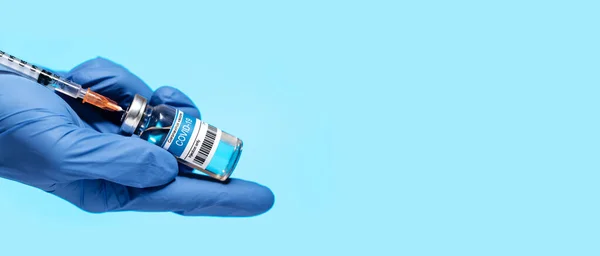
pixel 72 150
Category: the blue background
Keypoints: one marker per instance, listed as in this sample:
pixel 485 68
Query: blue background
pixel 383 127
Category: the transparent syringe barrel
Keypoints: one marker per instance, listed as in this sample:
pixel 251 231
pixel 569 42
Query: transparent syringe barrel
pixel 41 76
pixel 20 66
pixel 71 89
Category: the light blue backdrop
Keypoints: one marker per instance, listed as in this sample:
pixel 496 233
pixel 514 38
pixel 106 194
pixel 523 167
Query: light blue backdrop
pixel 383 128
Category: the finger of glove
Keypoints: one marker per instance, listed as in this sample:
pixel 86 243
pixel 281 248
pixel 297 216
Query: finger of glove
pixel 173 97
pixel 95 196
pixel 92 117
pixel 29 128
pixel 198 197
pixel 21 93
pixel 87 154
pixel 109 79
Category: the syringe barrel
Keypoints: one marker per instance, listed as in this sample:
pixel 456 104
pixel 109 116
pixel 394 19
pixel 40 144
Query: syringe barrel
pixel 20 66
pixel 53 81
pixel 40 75
pixel 70 89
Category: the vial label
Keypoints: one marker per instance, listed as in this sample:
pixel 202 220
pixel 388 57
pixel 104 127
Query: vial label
pixel 192 140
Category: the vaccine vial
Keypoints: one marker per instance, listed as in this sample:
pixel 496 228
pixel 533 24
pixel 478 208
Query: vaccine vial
pixel 193 142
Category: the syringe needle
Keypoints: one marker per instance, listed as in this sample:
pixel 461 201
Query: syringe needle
pixel 101 101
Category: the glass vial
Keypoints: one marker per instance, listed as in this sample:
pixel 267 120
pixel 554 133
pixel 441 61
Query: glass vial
pixel 193 142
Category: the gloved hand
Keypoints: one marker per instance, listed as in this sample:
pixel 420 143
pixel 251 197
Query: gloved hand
pixel 73 150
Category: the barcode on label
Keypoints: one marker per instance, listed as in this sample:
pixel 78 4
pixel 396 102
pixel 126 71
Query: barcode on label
pixel 207 145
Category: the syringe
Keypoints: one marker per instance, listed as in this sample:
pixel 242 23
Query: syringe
pixel 54 82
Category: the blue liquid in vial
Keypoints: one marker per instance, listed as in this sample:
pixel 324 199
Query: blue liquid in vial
pixel 156 137
pixel 225 155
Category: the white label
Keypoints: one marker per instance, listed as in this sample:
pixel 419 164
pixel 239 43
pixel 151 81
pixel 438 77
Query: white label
pixel 192 140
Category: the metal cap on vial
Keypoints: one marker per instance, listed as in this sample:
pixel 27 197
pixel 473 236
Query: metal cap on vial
pixel 134 114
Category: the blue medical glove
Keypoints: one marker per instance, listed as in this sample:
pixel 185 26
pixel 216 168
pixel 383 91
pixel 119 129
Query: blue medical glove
pixel 73 150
